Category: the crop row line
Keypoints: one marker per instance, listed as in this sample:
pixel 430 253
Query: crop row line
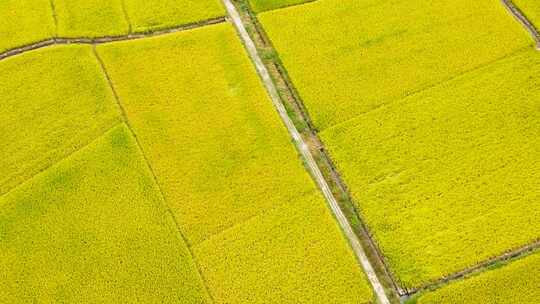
pixel 306 153
pixel 521 18
pixel 108 39
pixel 150 168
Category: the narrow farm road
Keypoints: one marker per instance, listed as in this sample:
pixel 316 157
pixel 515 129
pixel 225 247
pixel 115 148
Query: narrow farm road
pixel 306 154
pixel 520 17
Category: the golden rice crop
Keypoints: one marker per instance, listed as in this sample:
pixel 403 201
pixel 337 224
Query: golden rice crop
pixel 531 9
pixel 516 282
pixel 53 101
pixel 294 253
pixel 148 15
pixel 24 22
pixel 94 18
pixel 223 158
pixel 218 148
pixel 449 177
pixel 266 5
pixel 94 229
pixel 348 57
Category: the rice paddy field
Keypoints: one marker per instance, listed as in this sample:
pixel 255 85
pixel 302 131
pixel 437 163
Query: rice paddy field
pixel 430 112
pixel 266 5
pixel 157 170
pixel 143 159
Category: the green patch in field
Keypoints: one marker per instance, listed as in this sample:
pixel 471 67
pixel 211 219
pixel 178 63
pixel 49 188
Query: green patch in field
pixel 291 254
pixel 266 5
pixel 516 282
pixel 531 9
pixel 94 18
pixel 54 101
pixel 205 122
pixel 348 57
pixel 24 22
pixel 148 15
pixel 94 229
pixel 449 177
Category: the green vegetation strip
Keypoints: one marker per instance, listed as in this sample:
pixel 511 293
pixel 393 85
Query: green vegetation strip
pixel 449 177
pixel 54 101
pixel 348 57
pixel 516 282
pixel 94 229
pixel 223 159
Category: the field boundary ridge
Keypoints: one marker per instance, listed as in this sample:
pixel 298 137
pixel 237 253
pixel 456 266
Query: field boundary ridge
pixel 525 22
pixel 108 39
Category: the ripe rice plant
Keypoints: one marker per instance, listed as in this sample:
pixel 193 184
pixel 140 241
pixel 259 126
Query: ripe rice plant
pixel 94 229
pixel 293 254
pixel 516 282
pixel 349 57
pixel 148 15
pixel 266 5
pixel 54 101
pixel 24 22
pixel 94 18
pixel 207 127
pixel 449 177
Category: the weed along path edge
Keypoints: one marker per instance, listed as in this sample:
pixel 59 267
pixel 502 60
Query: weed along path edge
pixel 306 154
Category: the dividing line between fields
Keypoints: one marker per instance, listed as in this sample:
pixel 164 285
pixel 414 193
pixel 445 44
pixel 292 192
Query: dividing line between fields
pixel 168 209
pixel 521 18
pixel 108 39
pixel 306 154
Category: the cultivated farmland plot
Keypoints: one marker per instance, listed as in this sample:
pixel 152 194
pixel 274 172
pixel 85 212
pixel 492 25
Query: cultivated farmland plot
pixel 23 22
pixel 430 110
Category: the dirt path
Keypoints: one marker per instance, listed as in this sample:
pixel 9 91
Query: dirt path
pixel 306 154
pixel 107 39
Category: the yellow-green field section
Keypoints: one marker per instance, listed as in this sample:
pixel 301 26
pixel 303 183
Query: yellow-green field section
pixel 449 177
pixel 291 253
pixel 53 101
pixel 266 5
pixel 516 282
pixel 23 22
pixel 148 15
pixel 229 171
pixel 349 57
pixel 94 229
pixel 531 9
pixel 95 18
pixel 430 112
